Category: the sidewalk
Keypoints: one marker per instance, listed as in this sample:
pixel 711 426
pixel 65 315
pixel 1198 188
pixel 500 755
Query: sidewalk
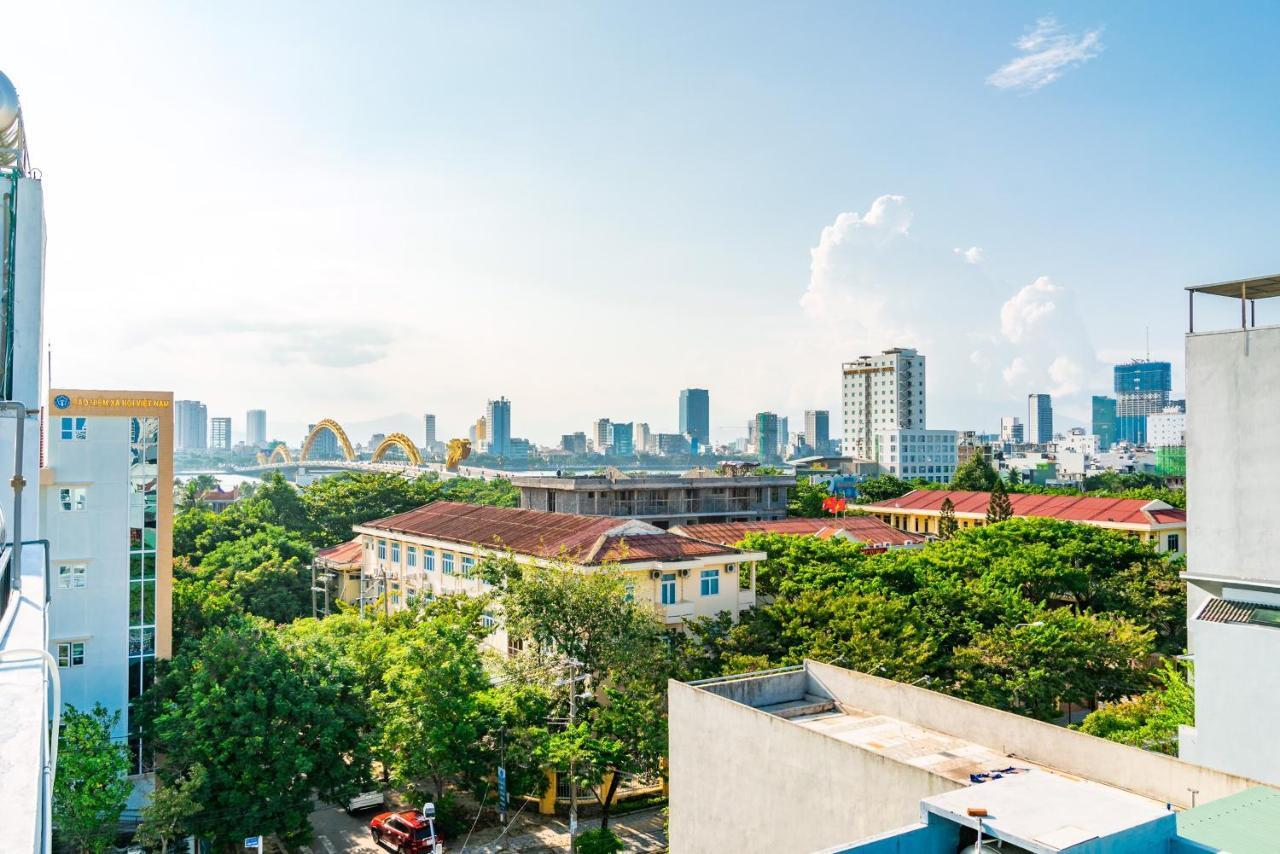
pixel 639 831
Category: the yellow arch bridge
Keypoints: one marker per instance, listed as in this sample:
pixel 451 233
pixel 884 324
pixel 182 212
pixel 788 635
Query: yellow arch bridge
pixel 459 449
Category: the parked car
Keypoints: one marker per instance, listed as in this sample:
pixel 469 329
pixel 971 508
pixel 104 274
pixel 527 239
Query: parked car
pixel 365 801
pixel 408 832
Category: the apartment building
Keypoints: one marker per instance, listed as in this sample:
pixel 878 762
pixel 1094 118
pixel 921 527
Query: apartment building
pixel 881 393
pixel 435 550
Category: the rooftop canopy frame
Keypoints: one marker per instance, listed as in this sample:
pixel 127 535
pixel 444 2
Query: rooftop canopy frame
pixel 1248 291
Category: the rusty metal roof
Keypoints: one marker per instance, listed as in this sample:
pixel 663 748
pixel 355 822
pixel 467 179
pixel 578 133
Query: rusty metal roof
pixel 342 554
pixel 864 529
pixel 1225 611
pixel 1070 508
pixel 582 539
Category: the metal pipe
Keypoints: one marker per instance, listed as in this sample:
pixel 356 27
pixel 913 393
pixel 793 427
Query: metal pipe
pixel 18 482
pixel 1191 312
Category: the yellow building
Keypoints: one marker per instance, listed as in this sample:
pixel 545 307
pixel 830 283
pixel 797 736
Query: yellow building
pixel 107 495
pixel 919 511
pixel 434 550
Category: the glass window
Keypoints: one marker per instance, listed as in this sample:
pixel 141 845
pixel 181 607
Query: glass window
pixel 73 429
pixel 668 588
pixel 395 552
pixel 142 603
pixel 468 563
pixel 71 576
pixel 629 592
pixel 71 654
pixel 1171 542
pixel 72 498
pixel 488 620
pixel 710 582
pixel 382 549
pixel 142 641
pixel 446 559
pixel 411 555
pixel 428 560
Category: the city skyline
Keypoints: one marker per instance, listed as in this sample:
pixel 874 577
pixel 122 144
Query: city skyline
pixel 1003 259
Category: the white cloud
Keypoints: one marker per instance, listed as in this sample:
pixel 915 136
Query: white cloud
pixel 1047 52
pixel 972 255
pixel 1028 307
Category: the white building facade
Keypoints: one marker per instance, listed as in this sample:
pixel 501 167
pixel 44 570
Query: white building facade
pixel 910 454
pixel 881 393
pixel 1166 429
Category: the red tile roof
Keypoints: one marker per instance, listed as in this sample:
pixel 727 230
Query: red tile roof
pixel 584 539
pixel 1070 508
pixel 864 529
pixel 342 553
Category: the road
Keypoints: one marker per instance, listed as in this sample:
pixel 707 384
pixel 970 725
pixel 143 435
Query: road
pixel 335 831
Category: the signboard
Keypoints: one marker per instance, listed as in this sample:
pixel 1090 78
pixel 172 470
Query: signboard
pixel 253 842
pixel 502 791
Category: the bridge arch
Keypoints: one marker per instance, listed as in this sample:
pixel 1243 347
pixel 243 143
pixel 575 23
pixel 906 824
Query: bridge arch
pixel 280 454
pixel 401 441
pixel 263 459
pixel 335 428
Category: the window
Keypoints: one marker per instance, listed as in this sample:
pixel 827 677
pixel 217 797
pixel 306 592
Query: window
pixel 71 576
pixel 710 582
pixel 395 552
pixel 412 556
pixel 446 559
pixel 468 562
pixel 629 592
pixel 382 549
pixel 73 428
pixel 428 560
pixel 488 620
pixel 71 654
pixel 72 498
pixel 668 588
pixel 1171 542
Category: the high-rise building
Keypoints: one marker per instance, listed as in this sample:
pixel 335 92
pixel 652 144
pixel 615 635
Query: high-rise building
pixel 574 443
pixel 695 415
pixel 881 393
pixel 1167 429
pixel 784 436
pixel 1142 389
pixel 480 434
pixel 1039 419
pixel 220 433
pixel 429 425
pixel 1104 421
pixel 498 414
pixel 623 439
pixel 108 515
pixel 255 424
pixel 1233 578
pixel 765 431
pixel 641 438
pixel 817 430
pixel 191 425
pixel 602 435
pixel 1011 430
pixel 24 679
pixel 325 446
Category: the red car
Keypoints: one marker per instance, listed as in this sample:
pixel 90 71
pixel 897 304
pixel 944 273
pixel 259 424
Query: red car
pixel 408 832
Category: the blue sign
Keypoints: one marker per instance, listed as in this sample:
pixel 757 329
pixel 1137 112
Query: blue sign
pixel 502 790
pixel 253 842
pixel 62 401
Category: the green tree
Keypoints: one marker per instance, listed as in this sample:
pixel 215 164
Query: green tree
pixel 269 727
pixel 278 502
pixel 1060 657
pixel 91 788
pixel 798 563
pixel 602 840
pixel 1000 507
pixel 947 520
pixel 1014 477
pixel 976 475
pixel 169 814
pixel 882 487
pixel 1150 720
pixel 334 504
pixel 267 573
pixel 806 499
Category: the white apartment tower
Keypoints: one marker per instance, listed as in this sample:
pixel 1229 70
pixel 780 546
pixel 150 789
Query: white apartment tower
pixel 255 428
pixel 220 433
pixel 882 393
pixel 1233 578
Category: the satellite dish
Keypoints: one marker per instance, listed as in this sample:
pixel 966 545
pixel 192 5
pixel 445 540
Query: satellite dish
pixel 8 103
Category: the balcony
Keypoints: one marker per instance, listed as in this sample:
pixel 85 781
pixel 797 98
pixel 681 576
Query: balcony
pixel 678 611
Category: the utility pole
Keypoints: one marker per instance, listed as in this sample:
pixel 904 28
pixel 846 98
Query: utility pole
pixel 573 783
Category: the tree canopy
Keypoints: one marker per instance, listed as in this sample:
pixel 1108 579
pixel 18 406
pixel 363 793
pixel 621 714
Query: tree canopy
pixel 90 789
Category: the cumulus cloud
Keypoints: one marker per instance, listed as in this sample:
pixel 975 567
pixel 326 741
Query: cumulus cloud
pixel 1047 53
pixel 873 285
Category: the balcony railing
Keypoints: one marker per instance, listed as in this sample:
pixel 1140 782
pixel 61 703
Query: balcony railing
pixel 674 506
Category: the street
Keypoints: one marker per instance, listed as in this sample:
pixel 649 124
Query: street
pixel 642 831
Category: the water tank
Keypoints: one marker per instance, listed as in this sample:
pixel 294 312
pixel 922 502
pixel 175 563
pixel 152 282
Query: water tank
pixel 8 105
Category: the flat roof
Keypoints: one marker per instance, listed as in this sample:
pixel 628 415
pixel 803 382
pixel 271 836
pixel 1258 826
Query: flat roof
pixel 1047 812
pixel 1259 287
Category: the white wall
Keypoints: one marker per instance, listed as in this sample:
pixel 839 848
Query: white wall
pixel 744 780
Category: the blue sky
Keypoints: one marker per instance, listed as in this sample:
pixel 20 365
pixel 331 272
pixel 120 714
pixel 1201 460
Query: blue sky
pixel 418 207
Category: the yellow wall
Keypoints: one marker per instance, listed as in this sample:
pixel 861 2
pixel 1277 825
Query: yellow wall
pixel 924 522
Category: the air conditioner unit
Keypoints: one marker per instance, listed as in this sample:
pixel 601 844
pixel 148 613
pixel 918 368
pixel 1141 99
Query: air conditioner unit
pixel 684 573
pixel 655 573
pixel 728 569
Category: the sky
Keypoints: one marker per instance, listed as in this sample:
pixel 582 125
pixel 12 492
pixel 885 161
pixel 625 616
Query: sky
pixel 587 207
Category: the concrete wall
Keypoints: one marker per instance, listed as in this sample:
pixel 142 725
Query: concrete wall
pixel 937 837
pixel 1237 689
pixel 1152 775
pixel 745 780
pixel 1233 452
pixel 765 690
